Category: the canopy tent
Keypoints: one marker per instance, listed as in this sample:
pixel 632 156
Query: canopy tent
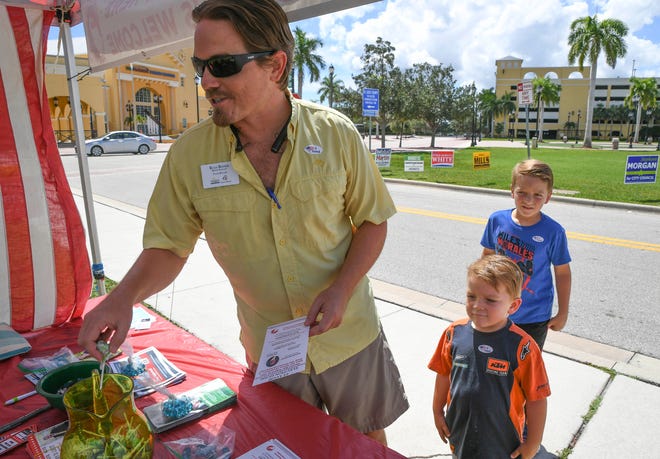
pixel 44 266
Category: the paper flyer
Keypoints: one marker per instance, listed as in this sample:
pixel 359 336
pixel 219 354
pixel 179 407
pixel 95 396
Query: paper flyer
pixel 284 352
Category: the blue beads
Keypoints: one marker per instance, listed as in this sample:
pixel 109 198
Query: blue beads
pixel 177 407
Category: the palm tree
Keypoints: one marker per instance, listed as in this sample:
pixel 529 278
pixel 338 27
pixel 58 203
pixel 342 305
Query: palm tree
pixel 587 39
pixel 643 95
pixel 305 58
pixel 330 88
pixel 547 93
pixel 489 106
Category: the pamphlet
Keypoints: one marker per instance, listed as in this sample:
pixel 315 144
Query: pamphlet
pixel 161 371
pixel 284 352
pixel 11 342
pixel 46 444
pixel 271 449
pixel 210 397
pixel 16 438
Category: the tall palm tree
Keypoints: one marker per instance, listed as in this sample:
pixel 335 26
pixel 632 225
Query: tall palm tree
pixel 489 106
pixel 547 93
pixel 587 39
pixel 643 95
pixel 330 88
pixel 304 57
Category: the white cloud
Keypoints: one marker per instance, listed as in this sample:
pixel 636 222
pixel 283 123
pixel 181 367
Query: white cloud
pixel 470 35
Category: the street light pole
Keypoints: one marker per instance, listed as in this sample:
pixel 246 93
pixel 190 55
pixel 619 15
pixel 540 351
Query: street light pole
pixel 158 99
pixel 331 91
pixel 538 107
pixel 630 118
pixel 648 126
pixel 577 128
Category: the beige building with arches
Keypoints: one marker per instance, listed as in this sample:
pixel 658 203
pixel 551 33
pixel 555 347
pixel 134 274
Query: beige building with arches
pixel 159 95
pixel 567 117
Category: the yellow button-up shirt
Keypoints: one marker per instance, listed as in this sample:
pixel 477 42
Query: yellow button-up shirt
pixel 278 259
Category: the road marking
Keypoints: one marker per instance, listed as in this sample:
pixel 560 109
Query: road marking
pixel 570 234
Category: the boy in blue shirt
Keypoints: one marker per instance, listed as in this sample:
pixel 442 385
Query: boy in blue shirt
pixel 536 243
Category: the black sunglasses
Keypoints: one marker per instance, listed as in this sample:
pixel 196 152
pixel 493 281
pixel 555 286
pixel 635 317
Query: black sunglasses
pixel 225 65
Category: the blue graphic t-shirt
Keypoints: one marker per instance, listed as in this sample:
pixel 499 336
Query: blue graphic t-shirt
pixel 535 249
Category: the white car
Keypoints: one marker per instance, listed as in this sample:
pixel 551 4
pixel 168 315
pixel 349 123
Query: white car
pixel 120 142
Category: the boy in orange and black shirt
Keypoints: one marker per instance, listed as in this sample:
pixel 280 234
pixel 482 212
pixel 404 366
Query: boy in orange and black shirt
pixel 491 377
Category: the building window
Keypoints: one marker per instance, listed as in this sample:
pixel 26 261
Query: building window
pixel 621 86
pixel 600 86
pixel 143 95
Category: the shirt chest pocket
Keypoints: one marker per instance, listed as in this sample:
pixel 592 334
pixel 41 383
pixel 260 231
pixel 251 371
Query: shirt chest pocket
pixel 319 204
pixel 229 221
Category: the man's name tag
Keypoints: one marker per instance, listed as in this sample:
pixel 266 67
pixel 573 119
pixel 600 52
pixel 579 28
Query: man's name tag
pixel 218 174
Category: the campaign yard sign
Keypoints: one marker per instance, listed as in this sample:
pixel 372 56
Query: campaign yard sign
pixel 481 160
pixel 641 169
pixel 442 158
pixel 413 164
pixel 383 157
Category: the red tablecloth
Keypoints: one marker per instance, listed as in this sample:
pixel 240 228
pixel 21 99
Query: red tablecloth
pixel 262 412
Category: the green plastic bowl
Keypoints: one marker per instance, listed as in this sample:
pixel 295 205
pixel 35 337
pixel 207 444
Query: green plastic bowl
pixel 53 385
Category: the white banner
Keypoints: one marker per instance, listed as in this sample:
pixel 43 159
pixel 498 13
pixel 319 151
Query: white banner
pixel 118 31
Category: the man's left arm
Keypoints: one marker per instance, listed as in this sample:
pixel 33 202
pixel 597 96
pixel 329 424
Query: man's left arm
pixel 368 241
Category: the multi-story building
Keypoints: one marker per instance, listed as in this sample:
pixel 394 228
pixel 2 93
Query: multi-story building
pixel 159 95
pixel 567 117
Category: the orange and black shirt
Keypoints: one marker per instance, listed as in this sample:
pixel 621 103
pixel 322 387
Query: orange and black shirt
pixel 491 376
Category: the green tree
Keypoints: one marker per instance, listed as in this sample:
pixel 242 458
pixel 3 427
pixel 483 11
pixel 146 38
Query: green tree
pixel 587 39
pixel 304 57
pixel 489 105
pixel 547 93
pixel 431 95
pixel 330 89
pixel 377 70
pixel 349 102
pixel 643 95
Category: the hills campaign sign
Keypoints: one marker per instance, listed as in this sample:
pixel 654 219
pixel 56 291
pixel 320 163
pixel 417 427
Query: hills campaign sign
pixel 641 169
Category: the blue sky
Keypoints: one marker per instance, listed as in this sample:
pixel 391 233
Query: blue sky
pixel 471 34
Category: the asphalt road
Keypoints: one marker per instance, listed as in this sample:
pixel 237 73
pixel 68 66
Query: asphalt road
pixel 436 234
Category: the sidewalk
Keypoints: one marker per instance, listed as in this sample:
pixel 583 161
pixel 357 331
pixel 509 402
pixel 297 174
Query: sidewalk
pixel 582 373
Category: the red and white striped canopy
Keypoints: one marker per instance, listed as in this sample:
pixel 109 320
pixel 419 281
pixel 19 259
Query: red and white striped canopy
pixel 45 275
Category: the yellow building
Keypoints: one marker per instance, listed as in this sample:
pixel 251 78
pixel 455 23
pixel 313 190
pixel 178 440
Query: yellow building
pixel 135 96
pixel 567 117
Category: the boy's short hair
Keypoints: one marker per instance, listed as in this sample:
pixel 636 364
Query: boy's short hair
pixel 498 270
pixel 533 168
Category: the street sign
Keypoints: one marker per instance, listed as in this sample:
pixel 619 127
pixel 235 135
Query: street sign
pixel 370 102
pixel 525 93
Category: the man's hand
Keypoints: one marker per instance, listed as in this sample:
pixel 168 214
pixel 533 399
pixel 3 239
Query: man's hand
pixel 108 322
pixel 330 307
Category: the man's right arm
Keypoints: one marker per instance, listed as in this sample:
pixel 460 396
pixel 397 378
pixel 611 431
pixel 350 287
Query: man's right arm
pixel 154 270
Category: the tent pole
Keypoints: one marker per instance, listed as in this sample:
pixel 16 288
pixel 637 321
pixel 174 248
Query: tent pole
pixel 74 98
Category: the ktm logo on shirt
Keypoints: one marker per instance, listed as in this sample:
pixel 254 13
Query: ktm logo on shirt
pixel 497 366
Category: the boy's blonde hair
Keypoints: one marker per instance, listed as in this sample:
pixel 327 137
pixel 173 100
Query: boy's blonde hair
pixel 498 270
pixel 533 168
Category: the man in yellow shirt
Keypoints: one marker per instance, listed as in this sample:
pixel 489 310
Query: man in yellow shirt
pixel 293 208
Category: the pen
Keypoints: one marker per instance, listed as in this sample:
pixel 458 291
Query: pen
pixel 271 193
pixel 18 398
pixel 24 418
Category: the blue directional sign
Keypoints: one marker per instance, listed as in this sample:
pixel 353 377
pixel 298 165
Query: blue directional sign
pixel 370 102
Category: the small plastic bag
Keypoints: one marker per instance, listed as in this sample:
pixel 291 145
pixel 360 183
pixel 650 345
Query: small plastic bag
pixel 48 362
pixel 204 445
